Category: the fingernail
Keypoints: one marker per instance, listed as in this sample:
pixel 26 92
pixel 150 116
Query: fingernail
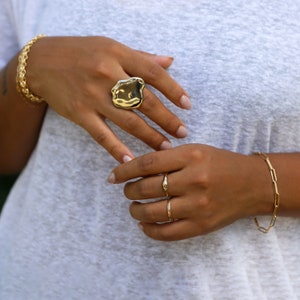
pixel 111 178
pixel 165 56
pixel 126 158
pixel 181 132
pixel 185 102
pixel 165 145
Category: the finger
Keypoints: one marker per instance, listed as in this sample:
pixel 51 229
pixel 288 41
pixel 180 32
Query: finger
pixel 161 211
pixel 163 60
pixel 103 135
pixel 129 121
pixel 150 187
pixel 155 75
pixel 173 231
pixel 132 123
pixel 149 164
pixel 176 183
pixel 153 108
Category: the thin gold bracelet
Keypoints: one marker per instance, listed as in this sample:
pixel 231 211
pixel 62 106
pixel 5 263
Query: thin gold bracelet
pixel 22 86
pixel 276 195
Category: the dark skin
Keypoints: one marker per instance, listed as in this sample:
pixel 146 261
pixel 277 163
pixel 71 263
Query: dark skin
pixel 20 123
pixel 75 76
pixel 210 188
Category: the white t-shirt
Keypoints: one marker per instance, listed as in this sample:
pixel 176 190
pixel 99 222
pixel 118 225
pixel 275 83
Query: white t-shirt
pixel 65 233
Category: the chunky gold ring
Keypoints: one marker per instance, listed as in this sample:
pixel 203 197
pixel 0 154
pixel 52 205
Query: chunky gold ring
pixel 165 184
pixel 128 93
pixel 169 211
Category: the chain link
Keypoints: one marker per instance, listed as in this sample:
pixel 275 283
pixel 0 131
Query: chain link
pixel 22 86
pixel 276 195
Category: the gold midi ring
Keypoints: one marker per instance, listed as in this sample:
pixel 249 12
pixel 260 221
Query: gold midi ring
pixel 165 184
pixel 169 211
pixel 128 93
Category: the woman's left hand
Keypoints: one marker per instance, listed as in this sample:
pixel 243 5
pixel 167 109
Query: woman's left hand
pixel 208 188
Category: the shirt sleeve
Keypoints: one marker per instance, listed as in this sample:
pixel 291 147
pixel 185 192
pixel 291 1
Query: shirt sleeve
pixel 8 38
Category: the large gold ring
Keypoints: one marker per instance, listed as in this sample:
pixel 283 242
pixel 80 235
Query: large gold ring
pixel 165 184
pixel 128 93
pixel 169 211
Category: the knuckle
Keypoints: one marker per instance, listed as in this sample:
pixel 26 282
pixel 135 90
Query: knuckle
pixel 143 189
pixel 132 122
pixel 104 69
pixel 173 123
pixel 115 48
pixel 101 138
pixel 154 72
pixel 203 204
pixel 201 179
pixel 114 150
pixel 149 99
pixel 196 154
pixel 149 213
pixel 159 233
pixel 146 163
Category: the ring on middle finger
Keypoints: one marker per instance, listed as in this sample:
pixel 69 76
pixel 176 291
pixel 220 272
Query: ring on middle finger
pixel 128 93
pixel 165 185
pixel 169 211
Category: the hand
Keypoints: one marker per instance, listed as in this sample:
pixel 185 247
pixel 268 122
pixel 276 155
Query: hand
pixel 209 189
pixel 75 76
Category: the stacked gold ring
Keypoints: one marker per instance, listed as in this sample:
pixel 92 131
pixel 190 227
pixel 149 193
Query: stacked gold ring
pixel 169 211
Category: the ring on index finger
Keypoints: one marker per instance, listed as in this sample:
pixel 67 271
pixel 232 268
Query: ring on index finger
pixel 128 93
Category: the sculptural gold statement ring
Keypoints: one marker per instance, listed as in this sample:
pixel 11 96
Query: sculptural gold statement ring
pixel 165 184
pixel 128 93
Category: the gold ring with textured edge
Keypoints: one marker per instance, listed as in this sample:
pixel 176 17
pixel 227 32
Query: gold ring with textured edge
pixel 165 184
pixel 169 211
pixel 128 93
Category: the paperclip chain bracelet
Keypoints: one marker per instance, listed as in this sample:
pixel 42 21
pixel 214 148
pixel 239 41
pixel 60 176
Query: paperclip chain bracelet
pixel 22 86
pixel 276 195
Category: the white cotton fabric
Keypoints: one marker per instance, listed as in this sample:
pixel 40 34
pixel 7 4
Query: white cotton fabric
pixel 65 233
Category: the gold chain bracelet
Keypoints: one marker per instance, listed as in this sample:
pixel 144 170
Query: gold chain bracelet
pixel 276 195
pixel 22 86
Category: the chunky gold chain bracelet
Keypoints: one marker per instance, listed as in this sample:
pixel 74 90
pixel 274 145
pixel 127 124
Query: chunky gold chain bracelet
pixel 276 195
pixel 22 86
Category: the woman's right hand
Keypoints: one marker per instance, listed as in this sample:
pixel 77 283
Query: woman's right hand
pixel 75 76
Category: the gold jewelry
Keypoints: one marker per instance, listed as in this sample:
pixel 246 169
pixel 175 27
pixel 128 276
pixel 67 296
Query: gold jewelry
pixel 128 93
pixel 165 184
pixel 169 211
pixel 22 86
pixel 276 195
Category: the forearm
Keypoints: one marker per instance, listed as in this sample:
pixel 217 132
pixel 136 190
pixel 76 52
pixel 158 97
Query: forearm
pixel 20 123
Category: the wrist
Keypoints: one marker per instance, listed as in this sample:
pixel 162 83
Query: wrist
pixel 261 190
pixel 21 80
